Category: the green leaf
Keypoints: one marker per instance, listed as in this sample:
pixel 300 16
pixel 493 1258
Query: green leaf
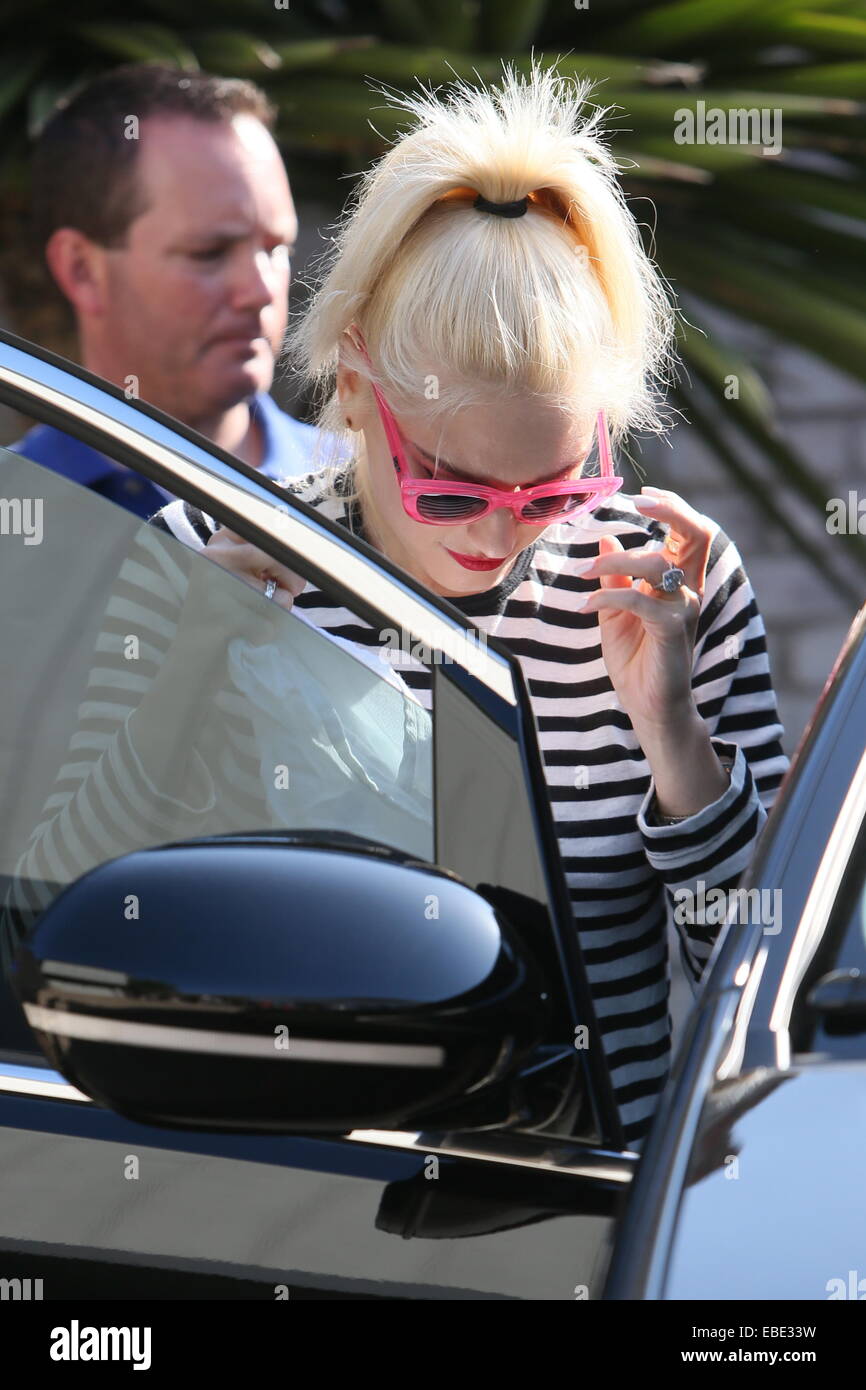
pixel 409 66
pixel 611 70
pixel 830 79
pixel 136 42
pixel 406 21
pixel 716 158
pixel 758 292
pixel 23 9
pixel 665 108
pixel 774 180
pixel 823 32
pixel 233 52
pixel 252 13
pixel 666 26
pixel 452 23
pixel 714 364
pixel 715 361
pixel 775 256
pixel 43 98
pixel 509 25
pixel 17 72
pixel 797 230
pixel 312 53
pixel 312 108
pixel 781 8
pixel 639 164
pixel 764 498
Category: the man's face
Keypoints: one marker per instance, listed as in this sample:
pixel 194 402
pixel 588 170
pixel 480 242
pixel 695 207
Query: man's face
pixel 198 297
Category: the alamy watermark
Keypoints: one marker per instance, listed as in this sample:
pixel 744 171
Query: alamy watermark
pixel 705 907
pixel 20 1290
pixel 846 516
pixel 397 645
pixel 738 125
pixel 853 1287
pixel 22 516
pixel 77 1343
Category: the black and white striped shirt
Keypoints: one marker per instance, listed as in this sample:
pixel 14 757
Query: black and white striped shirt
pixel 620 867
pixel 617 864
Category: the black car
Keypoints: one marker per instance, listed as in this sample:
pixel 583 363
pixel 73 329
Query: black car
pixel 396 1099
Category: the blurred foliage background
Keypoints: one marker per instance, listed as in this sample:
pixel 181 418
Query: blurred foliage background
pixel 777 240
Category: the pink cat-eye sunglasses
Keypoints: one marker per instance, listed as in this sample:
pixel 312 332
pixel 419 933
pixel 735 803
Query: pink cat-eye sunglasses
pixel 452 504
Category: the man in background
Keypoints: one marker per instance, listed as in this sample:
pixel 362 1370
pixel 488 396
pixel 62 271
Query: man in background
pixel 167 221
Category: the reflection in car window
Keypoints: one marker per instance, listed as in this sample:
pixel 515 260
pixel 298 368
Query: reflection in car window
pixel 149 695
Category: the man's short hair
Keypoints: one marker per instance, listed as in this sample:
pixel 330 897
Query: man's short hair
pixel 84 164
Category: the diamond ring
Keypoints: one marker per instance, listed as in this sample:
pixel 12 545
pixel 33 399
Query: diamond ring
pixel 270 588
pixel 671 580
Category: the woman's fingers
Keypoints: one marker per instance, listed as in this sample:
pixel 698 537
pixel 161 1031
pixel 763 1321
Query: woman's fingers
pixel 636 564
pixel 256 568
pixel 674 612
pixel 611 566
pixel 249 563
pixel 670 507
pixel 690 536
pixel 294 584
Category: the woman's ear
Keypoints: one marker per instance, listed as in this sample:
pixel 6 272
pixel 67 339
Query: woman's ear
pixel 350 390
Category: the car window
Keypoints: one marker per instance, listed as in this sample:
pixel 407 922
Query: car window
pixel 149 695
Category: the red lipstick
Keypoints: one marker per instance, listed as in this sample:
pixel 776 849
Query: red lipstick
pixel 476 562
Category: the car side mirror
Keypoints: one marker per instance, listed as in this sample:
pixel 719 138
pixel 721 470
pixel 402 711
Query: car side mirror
pixel 278 983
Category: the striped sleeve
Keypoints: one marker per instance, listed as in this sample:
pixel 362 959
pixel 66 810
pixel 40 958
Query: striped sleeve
pixel 733 691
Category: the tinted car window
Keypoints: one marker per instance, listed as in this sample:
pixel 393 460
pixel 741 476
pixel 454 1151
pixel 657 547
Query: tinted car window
pixel 148 695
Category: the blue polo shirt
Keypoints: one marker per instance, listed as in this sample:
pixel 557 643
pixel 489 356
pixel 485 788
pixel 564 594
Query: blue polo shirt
pixel 288 448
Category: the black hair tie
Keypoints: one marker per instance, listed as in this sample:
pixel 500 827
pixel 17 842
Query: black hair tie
pixel 516 209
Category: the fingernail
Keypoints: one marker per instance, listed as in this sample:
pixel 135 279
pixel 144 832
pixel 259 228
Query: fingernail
pixel 647 501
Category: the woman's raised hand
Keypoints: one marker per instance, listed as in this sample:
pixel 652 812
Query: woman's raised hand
pixel 648 637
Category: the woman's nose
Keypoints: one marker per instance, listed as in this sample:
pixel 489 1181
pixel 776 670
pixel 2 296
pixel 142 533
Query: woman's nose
pixel 495 534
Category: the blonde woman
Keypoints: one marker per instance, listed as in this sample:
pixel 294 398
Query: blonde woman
pixel 485 317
